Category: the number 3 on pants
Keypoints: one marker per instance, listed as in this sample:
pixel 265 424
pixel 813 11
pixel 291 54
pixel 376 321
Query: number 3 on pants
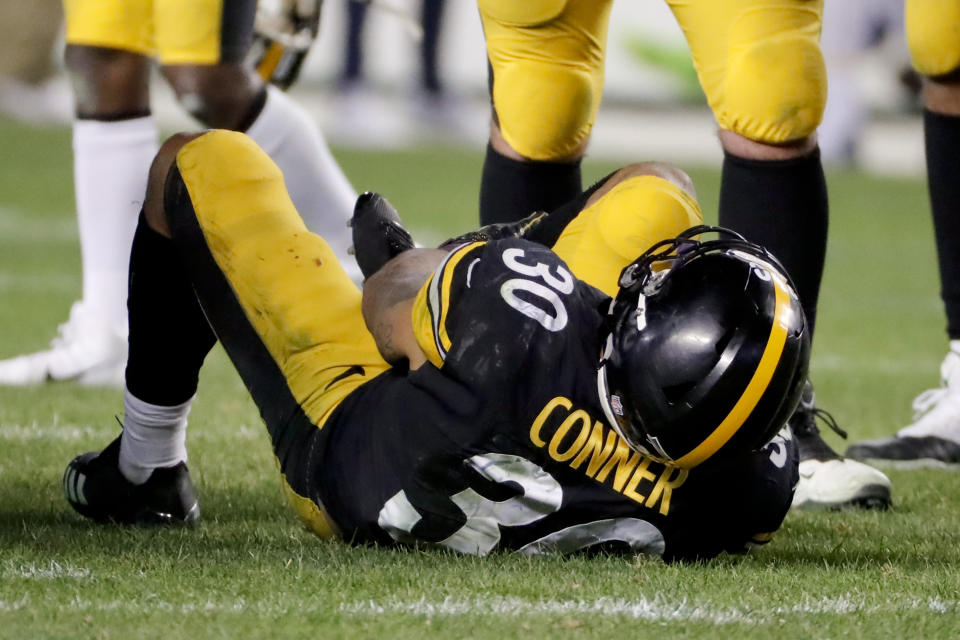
pixel 540 496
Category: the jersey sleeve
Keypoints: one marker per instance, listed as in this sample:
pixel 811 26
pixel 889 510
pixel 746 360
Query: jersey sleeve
pixel 438 295
pixel 494 310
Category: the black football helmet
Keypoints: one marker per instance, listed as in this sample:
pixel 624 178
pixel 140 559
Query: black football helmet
pixel 707 349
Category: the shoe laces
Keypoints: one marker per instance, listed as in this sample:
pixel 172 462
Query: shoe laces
pixel 805 417
pixel 806 421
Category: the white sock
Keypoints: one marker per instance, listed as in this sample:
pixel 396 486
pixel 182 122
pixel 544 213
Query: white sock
pixel 153 437
pixel 110 165
pixel 319 189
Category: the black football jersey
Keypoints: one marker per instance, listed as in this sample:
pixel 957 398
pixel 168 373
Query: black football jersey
pixel 501 442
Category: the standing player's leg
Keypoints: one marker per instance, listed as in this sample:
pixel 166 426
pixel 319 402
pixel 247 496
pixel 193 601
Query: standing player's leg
pixel 934 436
pixel 761 68
pixel 114 139
pixel 202 57
pixel 286 312
pixel 546 79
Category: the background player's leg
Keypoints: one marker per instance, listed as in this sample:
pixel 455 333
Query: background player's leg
pixel 765 80
pixel 780 204
pixel 114 139
pixel 229 95
pixel 543 103
pixel 511 189
pixel 934 435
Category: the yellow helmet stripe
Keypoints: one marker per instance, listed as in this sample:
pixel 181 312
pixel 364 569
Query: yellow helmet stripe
pixel 271 59
pixel 757 385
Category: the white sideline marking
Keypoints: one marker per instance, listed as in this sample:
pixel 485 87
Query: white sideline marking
pixel 71 433
pixel 654 610
pixel 39 282
pixel 50 572
pixel 21 227
pixel 902 367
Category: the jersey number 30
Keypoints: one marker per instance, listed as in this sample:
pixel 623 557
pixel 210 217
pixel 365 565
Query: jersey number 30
pixel 553 317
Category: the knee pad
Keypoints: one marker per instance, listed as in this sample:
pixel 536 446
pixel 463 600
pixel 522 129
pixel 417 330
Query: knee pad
pixel 526 13
pixel 775 89
pixel 932 27
pixel 546 111
pixel 625 222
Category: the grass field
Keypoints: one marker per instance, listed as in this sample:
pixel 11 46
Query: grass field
pixel 250 571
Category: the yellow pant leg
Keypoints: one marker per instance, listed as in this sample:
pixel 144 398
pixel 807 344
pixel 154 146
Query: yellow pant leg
pixel 547 59
pixel 613 232
pixel 933 35
pixel 292 289
pixel 114 24
pixel 177 31
pixel 759 63
pixel 188 32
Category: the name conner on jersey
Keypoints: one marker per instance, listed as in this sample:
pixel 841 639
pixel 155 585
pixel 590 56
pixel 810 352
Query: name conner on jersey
pixel 570 436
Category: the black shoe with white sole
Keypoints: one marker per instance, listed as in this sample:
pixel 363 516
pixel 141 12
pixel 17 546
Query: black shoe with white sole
pixel 909 450
pixel 95 488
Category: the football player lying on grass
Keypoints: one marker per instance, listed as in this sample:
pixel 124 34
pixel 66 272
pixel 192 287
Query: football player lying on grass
pixel 475 397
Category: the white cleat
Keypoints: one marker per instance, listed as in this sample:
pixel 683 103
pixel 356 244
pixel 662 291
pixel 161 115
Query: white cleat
pixel 86 351
pixel 827 479
pixel 933 439
pixel 841 482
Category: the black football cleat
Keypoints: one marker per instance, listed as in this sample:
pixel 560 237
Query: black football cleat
pixel 827 479
pixel 378 233
pixel 95 488
pixel 908 451
pixel 932 439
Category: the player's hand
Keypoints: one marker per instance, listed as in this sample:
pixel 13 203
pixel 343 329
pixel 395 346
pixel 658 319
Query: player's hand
pixel 378 233
pixel 283 32
pixel 520 229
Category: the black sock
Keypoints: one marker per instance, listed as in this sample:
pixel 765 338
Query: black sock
pixel 942 140
pixel 169 335
pixel 511 189
pixel 782 205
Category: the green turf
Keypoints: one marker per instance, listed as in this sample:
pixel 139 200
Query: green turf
pixel 250 571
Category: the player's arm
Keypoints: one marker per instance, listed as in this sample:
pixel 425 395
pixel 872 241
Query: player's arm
pixel 388 298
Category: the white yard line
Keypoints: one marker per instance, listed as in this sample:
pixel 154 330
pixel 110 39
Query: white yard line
pixel 651 610
pixel 657 609
pixel 72 432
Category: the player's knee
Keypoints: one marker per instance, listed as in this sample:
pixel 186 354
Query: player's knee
pixel 522 14
pixel 775 90
pixel 545 111
pixel 219 96
pixel 153 207
pixel 109 82
pixel 674 175
pixel 932 27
